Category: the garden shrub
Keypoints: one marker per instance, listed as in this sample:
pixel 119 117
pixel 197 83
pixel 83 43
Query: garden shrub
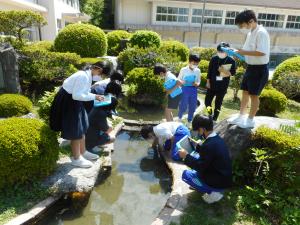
pixel 113 41
pixel 42 70
pixel 41 45
pixel 203 80
pixel 45 104
pixel 144 87
pixel 205 53
pixel 84 39
pixel 236 81
pixel 88 61
pixel 177 48
pixel 289 84
pixel 28 151
pixel 145 39
pixel 203 66
pixel 286 67
pixel 14 105
pixel 12 40
pixel 272 102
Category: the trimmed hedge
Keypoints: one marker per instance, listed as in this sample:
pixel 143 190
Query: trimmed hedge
pixel 145 39
pixel 113 41
pixel 88 61
pixel 286 67
pixel 203 80
pixel 41 45
pixel 272 102
pixel 84 39
pixel 14 105
pixel 28 151
pixel 144 87
pixel 203 66
pixel 205 53
pixel 177 48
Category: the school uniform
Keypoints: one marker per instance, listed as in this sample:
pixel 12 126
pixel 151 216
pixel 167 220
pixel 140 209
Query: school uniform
pixel 212 171
pixel 257 72
pixel 173 103
pixel 67 113
pixel 189 92
pixel 167 130
pixel 218 85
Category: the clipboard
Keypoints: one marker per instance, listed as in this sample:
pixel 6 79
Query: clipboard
pixel 105 102
pixel 231 52
pixel 186 144
pixel 169 85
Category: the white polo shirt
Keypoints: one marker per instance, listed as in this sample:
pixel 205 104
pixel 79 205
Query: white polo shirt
pixel 165 131
pixel 258 40
pixel 186 71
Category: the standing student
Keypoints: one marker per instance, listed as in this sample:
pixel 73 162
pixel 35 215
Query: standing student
pixel 190 77
pixel 218 78
pixel 69 116
pixel 173 102
pixel 257 53
pixel 210 173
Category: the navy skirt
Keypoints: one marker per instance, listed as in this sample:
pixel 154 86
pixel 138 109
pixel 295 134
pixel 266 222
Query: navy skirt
pixel 68 116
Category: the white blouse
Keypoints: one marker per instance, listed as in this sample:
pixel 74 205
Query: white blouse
pixel 79 85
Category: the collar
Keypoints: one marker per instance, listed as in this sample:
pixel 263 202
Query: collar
pixel 213 134
pixel 257 27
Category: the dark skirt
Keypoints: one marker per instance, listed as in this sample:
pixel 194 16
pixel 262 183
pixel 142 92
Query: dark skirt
pixel 68 116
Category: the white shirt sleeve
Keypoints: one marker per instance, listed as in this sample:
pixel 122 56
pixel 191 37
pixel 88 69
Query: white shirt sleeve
pixel 262 43
pixel 81 89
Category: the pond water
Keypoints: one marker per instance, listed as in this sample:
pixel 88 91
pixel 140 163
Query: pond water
pixel 133 194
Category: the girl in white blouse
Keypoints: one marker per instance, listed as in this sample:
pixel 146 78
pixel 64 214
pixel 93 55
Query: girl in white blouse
pixel 68 115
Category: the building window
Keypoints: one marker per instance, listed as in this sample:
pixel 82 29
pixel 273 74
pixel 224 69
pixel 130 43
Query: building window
pixel 172 14
pixel 293 22
pixel 210 16
pixel 230 17
pixel 271 20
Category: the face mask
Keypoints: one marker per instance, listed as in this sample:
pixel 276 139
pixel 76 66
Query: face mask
pixel 221 55
pixel 192 66
pixel 96 78
pixel 245 30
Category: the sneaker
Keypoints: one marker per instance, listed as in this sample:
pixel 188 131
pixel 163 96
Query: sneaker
pixel 212 197
pixel 248 123
pixel 81 162
pixel 90 156
pixel 96 150
pixel 238 120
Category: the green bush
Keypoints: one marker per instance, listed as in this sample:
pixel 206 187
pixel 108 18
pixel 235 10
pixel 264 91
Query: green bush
pixel 203 80
pixel 144 87
pixel 42 70
pixel 236 81
pixel 84 39
pixel 177 48
pixel 205 53
pixel 289 84
pixel 88 61
pixel 272 102
pixel 203 65
pixel 14 105
pixel 286 67
pixel 41 45
pixel 12 40
pixel 28 151
pixel 145 39
pixel 45 104
pixel 113 41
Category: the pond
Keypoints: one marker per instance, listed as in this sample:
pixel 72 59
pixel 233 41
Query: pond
pixel 134 193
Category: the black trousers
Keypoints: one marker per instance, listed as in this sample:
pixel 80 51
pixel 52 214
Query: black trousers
pixel 210 94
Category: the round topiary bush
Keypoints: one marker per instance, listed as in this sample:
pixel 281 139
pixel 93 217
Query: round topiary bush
pixel 145 39
pixel 205 53
pixel 177 48
pixel 84 39
pixel 113 41
pixel 28 150
pixel 203 66
pixel 272 102
pixel 286 67
pixel 14 105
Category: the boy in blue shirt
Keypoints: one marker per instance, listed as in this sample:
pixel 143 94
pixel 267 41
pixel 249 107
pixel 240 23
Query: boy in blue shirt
pixel 190 77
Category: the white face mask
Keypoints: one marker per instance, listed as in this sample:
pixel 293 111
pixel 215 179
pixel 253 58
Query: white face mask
pixel 192 66
pixel 222 55
pixel 96 77
pixel 245 30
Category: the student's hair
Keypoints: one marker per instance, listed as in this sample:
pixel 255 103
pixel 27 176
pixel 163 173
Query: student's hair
pixel 113 88
pixel 222 45
pixel 104 65
pixel 245 17
pixel 201 121
pixel 194 57
pixel 117 75
pixel 146 131
pixel 159 68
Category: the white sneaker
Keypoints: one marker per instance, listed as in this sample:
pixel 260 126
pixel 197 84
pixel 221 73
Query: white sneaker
pixel 238 120
pixel 90 156
pixel 81 162
pixel 248 123
pixel 212 197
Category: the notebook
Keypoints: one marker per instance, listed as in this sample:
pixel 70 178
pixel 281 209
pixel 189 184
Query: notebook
pixel 187 144
pixel 231 52
pixel 169 85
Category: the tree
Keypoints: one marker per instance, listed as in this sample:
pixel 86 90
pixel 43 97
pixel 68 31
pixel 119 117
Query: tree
pixel 15 22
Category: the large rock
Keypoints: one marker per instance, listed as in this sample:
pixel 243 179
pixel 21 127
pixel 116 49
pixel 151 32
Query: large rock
pixel 238 139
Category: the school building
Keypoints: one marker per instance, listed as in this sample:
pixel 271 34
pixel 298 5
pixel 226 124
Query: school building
pixel 58 13
pixel 181 20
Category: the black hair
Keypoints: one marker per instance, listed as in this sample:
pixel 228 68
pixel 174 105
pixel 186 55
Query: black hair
pixel 104 65
pixel 159 68
pixel 117 75
pixel 222 45
pixel 146 131
pixel 194 57
pixel 245 17
pixel 113 88
pixel 201 121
